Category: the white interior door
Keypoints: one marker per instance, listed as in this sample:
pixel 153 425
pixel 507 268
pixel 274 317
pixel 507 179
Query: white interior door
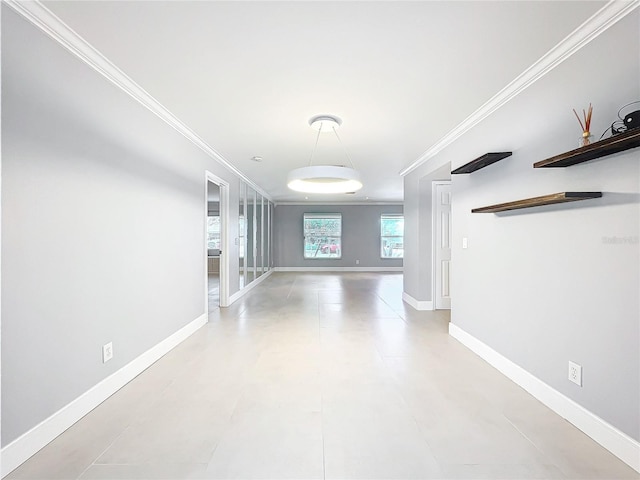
pixel 442 243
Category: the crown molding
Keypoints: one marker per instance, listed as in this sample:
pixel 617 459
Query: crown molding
pixel 599 22
pixel 44 19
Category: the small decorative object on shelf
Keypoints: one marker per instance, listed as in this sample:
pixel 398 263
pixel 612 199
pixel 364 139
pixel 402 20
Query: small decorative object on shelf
pixel 586 126
pixel 586 139
pixel 602 148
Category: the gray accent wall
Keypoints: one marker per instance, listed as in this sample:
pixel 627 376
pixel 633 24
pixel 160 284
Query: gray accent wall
pixel 360 236
pixel 549 285
pixel 103 222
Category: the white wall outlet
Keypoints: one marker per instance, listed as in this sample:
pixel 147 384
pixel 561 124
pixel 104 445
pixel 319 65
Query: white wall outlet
pixel 465 242
pixel 575 373
pixel 107 352
pixel 357 262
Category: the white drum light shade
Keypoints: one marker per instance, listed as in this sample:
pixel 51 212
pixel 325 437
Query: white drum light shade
pixel 324 179
pixel 325 123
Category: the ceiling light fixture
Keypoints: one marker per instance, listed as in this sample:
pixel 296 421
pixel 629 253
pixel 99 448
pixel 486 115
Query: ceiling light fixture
pixel 325 178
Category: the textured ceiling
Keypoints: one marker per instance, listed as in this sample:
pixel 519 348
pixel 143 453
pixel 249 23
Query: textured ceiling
pixel 247 76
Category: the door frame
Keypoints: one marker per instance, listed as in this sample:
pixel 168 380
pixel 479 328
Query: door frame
pixel 224 240
pixel 434 220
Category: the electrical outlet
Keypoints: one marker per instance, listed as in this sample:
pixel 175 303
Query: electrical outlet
pixel 575 373
pixel 107 352
pixel 357 262
pixel 465 242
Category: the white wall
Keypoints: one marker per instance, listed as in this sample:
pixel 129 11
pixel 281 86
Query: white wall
pixel 103 219
pixel 544 286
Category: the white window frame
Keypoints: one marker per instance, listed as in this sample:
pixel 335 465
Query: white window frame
pixel 329 239
pixel 383 237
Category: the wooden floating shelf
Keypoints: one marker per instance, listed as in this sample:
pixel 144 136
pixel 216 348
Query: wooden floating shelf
pixel 608 146
pixel 561 197
pixel 481 162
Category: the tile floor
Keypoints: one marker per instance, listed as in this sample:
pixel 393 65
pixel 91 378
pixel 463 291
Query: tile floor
pixel 213 291
pixel 314 376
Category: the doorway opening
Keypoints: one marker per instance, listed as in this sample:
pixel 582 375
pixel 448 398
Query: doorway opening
pixel 216 278
pixel 213 246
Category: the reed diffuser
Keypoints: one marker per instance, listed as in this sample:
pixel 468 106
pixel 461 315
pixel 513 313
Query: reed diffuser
pixel 586 126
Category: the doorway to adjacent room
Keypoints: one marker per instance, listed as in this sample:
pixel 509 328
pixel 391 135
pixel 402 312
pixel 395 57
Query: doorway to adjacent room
pixel 216 224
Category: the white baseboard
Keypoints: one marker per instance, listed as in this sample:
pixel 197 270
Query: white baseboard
pixel 18 451
pixel 417 304
pixel 620 444
pixel 338 269
pixel 248 288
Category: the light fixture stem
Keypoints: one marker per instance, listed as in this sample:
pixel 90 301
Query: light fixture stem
pixel 315 146
pixel 346 152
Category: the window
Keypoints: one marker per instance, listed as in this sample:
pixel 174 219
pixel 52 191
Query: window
pixel 213 232
pixel 322 235
pixel 392 236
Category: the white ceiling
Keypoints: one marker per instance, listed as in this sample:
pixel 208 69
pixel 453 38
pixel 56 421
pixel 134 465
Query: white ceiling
pixel 247 76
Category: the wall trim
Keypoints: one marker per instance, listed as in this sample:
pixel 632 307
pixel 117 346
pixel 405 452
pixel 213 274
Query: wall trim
pixel 23 447
pixel 342 203
pixel 417 304
pixel 338 269
pixel 43 18
pixel 599 22
pixel 248 288
pixel 620 444
pixel 0 240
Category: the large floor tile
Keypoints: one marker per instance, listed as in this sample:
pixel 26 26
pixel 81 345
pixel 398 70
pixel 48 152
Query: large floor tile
pixel 145 472
pixel 169 435
pixel 270 443
pixel 70 454
pixel 375 442
pixel 502 472
pixel 573 452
